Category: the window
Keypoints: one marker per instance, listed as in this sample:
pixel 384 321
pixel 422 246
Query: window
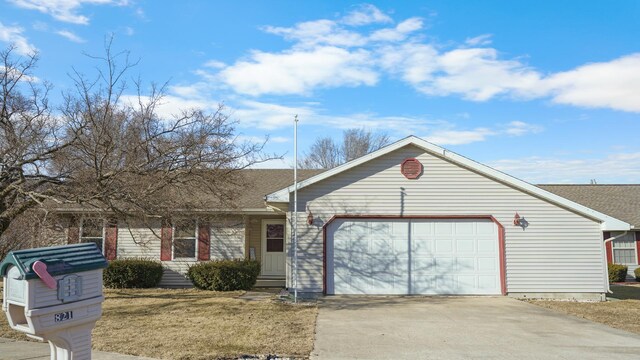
pixel 275 237
pixel 185 240
pixel 624 250
pixel 92 231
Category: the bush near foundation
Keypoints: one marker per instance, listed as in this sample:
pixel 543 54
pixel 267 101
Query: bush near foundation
pixel 636 272
pixel 225 275
pixel 617 272
pixel 132 273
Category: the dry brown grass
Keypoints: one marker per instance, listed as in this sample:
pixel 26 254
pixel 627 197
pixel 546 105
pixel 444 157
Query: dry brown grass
pixel 623 314
pixel 194 324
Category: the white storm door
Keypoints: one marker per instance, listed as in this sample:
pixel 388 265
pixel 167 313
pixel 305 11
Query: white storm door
pixel 273 248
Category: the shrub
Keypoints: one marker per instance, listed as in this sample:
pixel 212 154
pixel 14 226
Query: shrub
pixel 636 272
pixel 225 275
pixel 132 273
pixel 617 272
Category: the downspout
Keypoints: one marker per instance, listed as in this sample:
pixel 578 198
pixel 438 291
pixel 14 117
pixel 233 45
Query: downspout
pixel 604 258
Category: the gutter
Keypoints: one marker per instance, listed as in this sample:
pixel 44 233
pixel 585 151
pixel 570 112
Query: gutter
pixel 604 259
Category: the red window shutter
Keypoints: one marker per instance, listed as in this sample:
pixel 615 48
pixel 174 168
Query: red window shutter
pixel 609 247
pixel 204 242
pixel 638 247
pixel 166 236
pixel 111 239
pixel 73 233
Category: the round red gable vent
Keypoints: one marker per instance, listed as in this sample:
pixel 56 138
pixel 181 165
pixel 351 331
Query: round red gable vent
pixel 411 168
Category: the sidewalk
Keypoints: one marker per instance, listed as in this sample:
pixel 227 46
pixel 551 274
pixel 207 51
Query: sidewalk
pixel 27 350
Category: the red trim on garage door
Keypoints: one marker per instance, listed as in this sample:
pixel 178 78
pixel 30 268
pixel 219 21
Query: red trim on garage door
pixel 501 246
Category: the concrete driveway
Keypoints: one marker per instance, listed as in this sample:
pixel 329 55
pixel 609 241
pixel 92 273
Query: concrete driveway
pixel 460 328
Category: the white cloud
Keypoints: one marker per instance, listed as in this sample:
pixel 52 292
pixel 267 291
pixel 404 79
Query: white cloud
pixel 327 54
pixel 477 74
pixel 300 71
pixel 519 128
pixel 449 136
pixel 267 116
pixel 14 35
pixel 318 32
pixel 214 64
pixel 172 105
pixel 279 139
pixel 484 39
pixel 614 84
pixel 261 139
pixel 398 33
pixel 65 10
pixel 366 14
pixel 416 63
pixel 70 36
pixel 459 137
pixel 620 167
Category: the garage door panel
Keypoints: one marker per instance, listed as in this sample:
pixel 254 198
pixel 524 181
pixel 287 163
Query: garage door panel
pixel 422 246
pixel 487 246
pixel 487 264
pixel 464 228
pixel 487 283
pixel 466 282
pixel 445 284
pixel 444 265
pixel 485 228
pixel 421 228
pixel 466 265
pixel 444 245
pixel 412 257
pixel 465 245
pixel 443 228
pixel 382 246
pixel 423 265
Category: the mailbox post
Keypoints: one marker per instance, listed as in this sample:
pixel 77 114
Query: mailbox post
pixel 55 294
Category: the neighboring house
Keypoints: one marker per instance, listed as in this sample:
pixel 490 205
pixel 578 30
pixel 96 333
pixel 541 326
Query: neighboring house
pixel 410 218
pixel 619 201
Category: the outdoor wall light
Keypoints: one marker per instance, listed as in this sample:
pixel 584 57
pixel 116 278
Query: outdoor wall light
pixel 310 218
pixel 520 221
pixel 516 219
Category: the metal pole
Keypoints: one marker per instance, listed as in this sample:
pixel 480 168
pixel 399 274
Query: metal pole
pixel 295 209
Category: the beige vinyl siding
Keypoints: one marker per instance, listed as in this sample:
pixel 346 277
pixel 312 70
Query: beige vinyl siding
pixel 137 239
pixel 560 251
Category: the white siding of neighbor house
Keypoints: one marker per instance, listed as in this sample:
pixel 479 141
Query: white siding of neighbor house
pixel 560 251
pixel 136 239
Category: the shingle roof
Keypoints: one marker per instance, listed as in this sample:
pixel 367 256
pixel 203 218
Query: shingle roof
pixel 261 182
pixel 619 201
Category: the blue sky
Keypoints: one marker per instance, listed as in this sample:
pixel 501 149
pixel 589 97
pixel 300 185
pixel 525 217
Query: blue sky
pixel 545 91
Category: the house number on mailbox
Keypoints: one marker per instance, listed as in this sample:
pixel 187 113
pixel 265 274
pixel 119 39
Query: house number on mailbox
pixel 63 316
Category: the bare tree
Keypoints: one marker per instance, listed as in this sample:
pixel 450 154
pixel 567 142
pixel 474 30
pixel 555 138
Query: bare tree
pixel 325 153
pixel 360 142
pixel 109 151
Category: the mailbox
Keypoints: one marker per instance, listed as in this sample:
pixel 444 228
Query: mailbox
pixel 55 294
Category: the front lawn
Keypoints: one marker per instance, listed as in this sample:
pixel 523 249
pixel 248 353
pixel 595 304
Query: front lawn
pixel 620 314
pixel 194 324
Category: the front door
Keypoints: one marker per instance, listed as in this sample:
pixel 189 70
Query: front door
pixel 273 248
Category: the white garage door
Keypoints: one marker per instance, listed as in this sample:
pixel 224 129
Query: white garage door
pixel 418 256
